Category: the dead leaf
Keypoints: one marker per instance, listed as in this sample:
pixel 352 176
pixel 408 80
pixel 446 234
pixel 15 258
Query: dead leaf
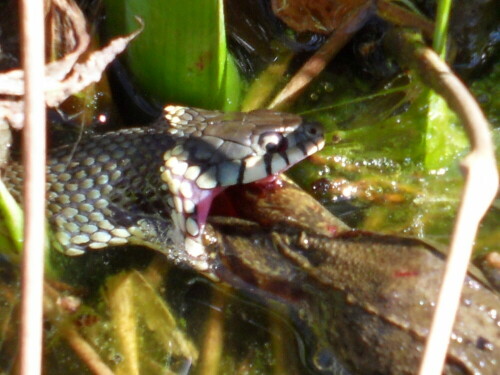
pixel 63 77
pixel 318 16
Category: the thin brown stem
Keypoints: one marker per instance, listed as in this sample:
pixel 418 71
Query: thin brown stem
pixel 481 185
pixel 33 56
pixel 315 65
pixel 86 352
pixel 400 16
pixel 58 308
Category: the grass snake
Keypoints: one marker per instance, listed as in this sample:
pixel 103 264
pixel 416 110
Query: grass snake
pixel 154 185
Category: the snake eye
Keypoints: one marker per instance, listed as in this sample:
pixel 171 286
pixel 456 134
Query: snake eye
pixel 273 142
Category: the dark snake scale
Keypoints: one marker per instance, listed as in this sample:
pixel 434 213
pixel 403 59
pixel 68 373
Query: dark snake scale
pixel 153 185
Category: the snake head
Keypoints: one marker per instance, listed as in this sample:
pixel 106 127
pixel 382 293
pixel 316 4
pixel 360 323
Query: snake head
pixel 214 150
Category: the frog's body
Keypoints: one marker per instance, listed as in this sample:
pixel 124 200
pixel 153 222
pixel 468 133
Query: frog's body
pixel 366 299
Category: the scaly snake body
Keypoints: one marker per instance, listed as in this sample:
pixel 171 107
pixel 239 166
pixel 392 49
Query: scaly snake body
pixel 154 185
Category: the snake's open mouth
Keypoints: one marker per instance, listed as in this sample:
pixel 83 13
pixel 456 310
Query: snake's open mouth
pixel 231 201
pixel 220 152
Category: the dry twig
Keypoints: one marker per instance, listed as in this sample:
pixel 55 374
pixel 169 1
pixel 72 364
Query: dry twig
pixel 66 76
pixel 400 16
pixel 86 352
pixel 33 57
pixel 342 34
pixel 30 90
pixel 481 185
pixel 56 310
pixel 320 59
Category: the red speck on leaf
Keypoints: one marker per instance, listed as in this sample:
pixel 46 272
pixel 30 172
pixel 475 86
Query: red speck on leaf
pixel 203 59
pixel 332 229
pixel 406 273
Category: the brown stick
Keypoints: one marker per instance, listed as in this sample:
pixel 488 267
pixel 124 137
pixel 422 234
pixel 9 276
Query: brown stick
pixel 400 16
pixel 33 56
pixel 86 352
pixel 57 310
pixel 320 59
pixel 481 185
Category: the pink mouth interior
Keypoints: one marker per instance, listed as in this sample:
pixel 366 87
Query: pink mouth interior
pixel 216 201
pixel 203 202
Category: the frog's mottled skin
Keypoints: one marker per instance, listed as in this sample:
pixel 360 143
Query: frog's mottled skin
pixel 366 298
pixel 390 287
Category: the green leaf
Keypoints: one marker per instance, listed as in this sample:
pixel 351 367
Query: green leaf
pixel 13 220
pixel 181 56
pixel 445 139
pixel 441 29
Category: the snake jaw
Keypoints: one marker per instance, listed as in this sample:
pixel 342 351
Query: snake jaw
pixel 190 207
pixel 189 203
